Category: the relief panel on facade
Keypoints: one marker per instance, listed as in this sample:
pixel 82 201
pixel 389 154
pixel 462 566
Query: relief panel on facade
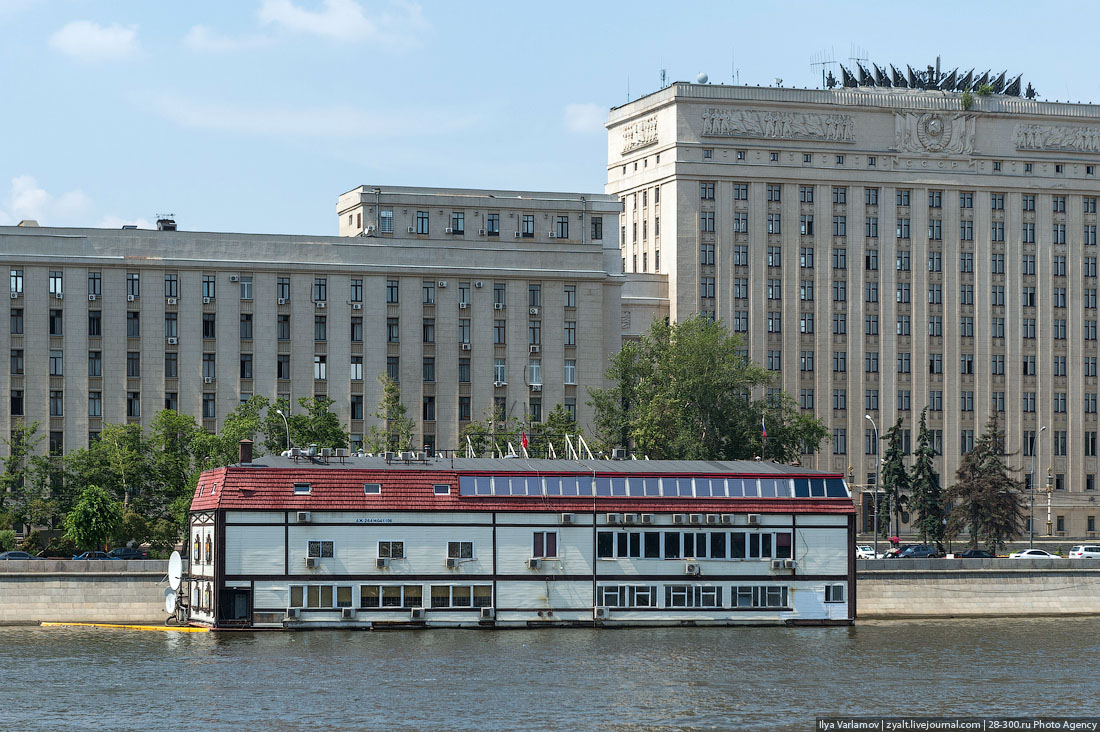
pixel 934 132
pixel 640 134
pixel 778 125
pixel 1057 137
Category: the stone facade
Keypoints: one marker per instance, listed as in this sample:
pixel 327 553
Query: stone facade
pixel 91 592
pixel 110 326
pixel 883 250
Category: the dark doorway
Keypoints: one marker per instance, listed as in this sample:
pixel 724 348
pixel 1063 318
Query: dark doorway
pixel 237 604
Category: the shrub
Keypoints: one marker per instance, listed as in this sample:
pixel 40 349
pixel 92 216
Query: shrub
pixel 7 540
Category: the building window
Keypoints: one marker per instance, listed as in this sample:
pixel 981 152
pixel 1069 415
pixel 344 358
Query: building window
pixel 246 366
pixel 458 222
pixel 428 411
pixel 17 402
pixel 57 281
pixel 133 404
pixel 320 328
pixel 209 364
pixel 356 368
pixel 320 367
pixel 544 544
pixel 56 323
pixel 429 368
pixel 562 227
pixel 463 370
pixel 393 368
pixel 393 333
pixel 570 333
pixel 133 365
pixel 57 363
pixel 246 326
pixel 422 222
pixel 17 281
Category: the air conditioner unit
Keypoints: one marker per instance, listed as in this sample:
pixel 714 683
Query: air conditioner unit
pixel 496 305
pixel 695 518
pixel 536 387
pixel 442 283
pixel 293 613
pixel 499 384
pixel 727 519
pixel 234 278
pixel 321 304
pixel 173 341
pixel 713 518
pixel 692 568
pixel 207 300
pixel 552 235
pixel 477 284
pixel 129 298
pixel 534 563
pixel 535 348
pixel 347 613
pixel 303 517
pixel 614 518
pixel 630 518
pixel 452 563
pixel 59 295
pixel 679 518
pixel 370 230
pixel 488 613
pixel 282 301
pixel 567 518
pixel 357 306
pixel 465 346
pixel 533 311
pixel 777 564
pixel 416 613
pixel 15 295
pixel 599 613
pixel 382 562
pixel 789 564
pixel 517 234
pixel 311 562
pixel 172 301
pixel 91 298
pixel 646 518
pixel 410 229
pixel 752 519
pixel 208 379
pixel 619 453
pixel 481 232
pixel 448 230
pixel 463 305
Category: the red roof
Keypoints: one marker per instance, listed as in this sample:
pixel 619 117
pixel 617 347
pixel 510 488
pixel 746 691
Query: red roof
pixel 268 488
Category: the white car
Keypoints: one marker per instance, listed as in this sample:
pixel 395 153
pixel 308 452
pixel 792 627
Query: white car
pixel 867 551
pixel 1085 551
pixel 1033 554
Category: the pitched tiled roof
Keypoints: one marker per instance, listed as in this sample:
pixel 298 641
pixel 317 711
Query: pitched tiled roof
pixel 272 488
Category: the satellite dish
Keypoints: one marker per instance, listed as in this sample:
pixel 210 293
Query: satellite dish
pixel 702 78
pixel 175 570
pixel 170 601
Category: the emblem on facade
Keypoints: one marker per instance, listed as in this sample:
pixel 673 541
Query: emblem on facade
pixel 640 134
pixel 934 132
pixel 778 125
pixel 1057 137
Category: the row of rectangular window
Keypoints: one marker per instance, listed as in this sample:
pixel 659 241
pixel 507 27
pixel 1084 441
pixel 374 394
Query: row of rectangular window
pixel 902 197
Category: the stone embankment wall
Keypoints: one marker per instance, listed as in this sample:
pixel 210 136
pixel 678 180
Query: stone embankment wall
pixel 79 591
pixel 946 588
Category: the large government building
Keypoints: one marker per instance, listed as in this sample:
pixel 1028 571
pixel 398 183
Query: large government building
pixel 883 251
pixel 476 302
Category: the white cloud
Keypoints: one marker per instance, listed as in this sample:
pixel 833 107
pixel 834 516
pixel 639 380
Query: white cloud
pixel 89 41
pixel 345 20
pixel 335 122
pixel 27 200
pixel 204 40
pixel 584 118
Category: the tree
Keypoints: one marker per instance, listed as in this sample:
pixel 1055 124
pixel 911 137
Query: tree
pixel 491 433
pixel 221 449
pixel 94 519
pixel 894 477
pixel 396 429
pixel 927 495
pixel 318 425
pixel 986 499
pixel 20 445
pixel 553 430
pixel 682 392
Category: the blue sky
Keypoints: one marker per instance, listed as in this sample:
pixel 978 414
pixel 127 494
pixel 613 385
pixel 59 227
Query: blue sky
pixel 254 115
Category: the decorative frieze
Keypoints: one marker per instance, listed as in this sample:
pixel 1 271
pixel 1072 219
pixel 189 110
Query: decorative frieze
pixel 1058 137
pixel 640 134
pixel 719 122
pixel 934 132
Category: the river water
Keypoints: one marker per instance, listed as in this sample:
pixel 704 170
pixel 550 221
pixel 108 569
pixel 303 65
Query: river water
pixel 556 679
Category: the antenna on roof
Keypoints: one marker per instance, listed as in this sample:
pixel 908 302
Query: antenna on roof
pixel 857 54
pixel 735 73
pixel 826 60
pixel 664 75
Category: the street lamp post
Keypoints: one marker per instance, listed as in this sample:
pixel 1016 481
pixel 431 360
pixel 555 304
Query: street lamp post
pixel 875 486
pixel 1050 490
pixel 280 413
pixel 1031 518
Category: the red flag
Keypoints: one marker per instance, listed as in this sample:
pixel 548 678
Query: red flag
pixel 523 441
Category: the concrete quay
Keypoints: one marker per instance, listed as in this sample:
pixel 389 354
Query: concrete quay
pixel 92 591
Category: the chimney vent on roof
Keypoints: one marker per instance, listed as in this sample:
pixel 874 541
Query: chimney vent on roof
pixel 28 222
pixel 166 224
pixel 246 452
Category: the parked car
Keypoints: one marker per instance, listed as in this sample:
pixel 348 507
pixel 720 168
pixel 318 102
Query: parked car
pixel 125 552
pixel 16 555
pixel 974 554
pixel 867 551
pixel 94 555
pixel 920 551
pixel 1033 554
pixel 1085 551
